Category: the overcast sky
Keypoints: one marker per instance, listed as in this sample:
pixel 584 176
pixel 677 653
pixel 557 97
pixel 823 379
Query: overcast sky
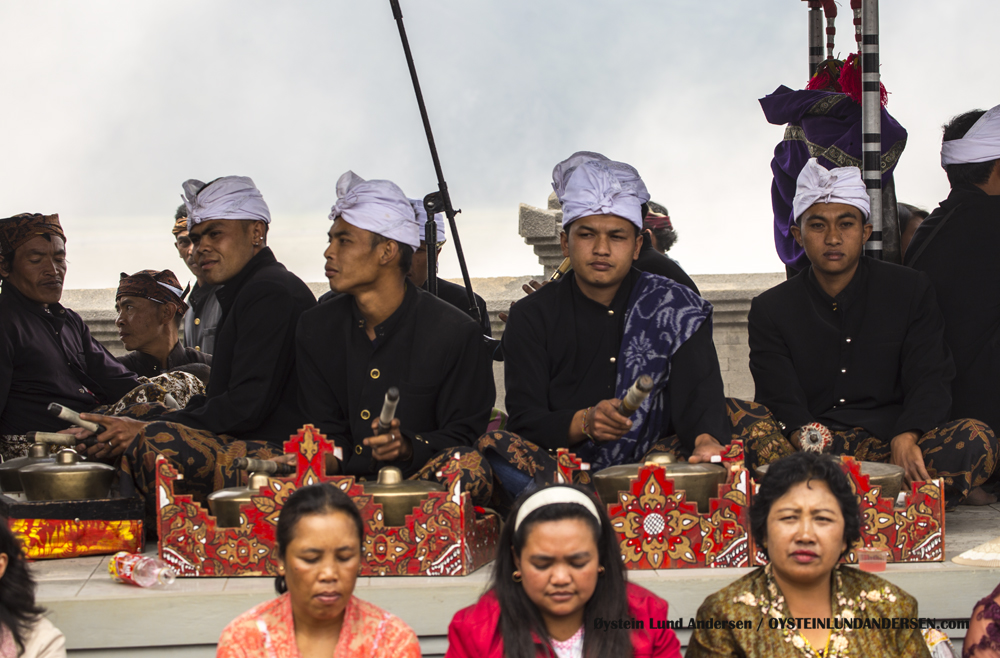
pixel 110 105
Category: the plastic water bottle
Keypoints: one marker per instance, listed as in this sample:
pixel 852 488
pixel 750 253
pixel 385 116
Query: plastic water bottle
pixel 140 570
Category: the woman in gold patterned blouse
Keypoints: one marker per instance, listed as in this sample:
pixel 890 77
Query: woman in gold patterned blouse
pixel 805 517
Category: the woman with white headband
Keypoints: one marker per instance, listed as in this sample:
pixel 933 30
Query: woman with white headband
pixel 559 589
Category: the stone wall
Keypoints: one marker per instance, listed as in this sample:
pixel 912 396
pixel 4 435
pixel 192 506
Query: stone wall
pixel 729 293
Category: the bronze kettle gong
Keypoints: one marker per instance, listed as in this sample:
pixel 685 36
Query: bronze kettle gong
pixel 700 482
pixel 67 477
pixel 397 496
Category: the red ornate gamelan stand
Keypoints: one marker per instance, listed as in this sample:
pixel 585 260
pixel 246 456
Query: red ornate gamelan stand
pixel 911 533
pixel 658 529
pixel 442 537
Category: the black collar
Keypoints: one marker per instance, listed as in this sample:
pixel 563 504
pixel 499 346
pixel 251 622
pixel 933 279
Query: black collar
pixel 226 294
pixel 388 325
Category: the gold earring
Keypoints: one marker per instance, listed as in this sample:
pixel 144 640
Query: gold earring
pixel 516 576
pixel 600 571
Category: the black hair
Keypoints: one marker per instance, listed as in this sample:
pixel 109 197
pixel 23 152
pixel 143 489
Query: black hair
pixel 312 499
pixel 405 252
pixel 975 173
pixel 182 212
pixel 908 214
pixel 804 466
pixel 520 619
pixel 18 610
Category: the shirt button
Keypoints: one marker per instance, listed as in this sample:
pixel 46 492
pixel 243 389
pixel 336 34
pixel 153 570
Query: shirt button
pixel 83 390
pixel 610 312
pixel 842 400
pixel 848 340
pixel 197 320
pixel 357 449
pixel 843 370
pixel 197 348
pixel 375 373
pixel 612 359
pixel 365 415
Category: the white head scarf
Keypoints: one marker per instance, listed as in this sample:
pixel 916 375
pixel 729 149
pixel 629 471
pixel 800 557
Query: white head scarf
pixel 378 206
pixel 439 221
pixel 591 184
pixel 817 184
pixel 980 144
pixel 229 197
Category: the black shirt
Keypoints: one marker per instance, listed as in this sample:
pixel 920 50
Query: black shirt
pixel 560 350
pixel 432 352
pixel 202 320
pixel 872 357
pixel 146 365
pixel 652 261
pixel 253 391
pixel 49 356
pixel 961 261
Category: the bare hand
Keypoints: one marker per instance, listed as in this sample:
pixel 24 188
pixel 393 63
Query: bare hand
pixel 528 288
pixel 606 424
pixel 906 453
pixel 390 446
pixel 705 447
pixel 118 435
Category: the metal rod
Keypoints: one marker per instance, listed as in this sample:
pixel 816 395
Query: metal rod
pixel 871 122
pixel 815 36
pixel 265 466
pixel 441 201
pixel 73 417
pixel 430 246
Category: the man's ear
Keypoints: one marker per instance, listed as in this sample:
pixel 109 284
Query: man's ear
pixel 564 243
pixel 167 312
pixel 638 245
pixel 797 234
pixel 867 231
pixel 390 250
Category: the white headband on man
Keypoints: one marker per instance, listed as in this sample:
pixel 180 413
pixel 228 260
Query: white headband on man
pixel 591 184
pixel 817 184
pixel 553 496
pixel 980 144
pixel 229 197
pixel 378 206
pixel 439 220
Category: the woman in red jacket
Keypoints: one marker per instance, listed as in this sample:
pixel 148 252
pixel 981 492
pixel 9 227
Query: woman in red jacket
pixel 559 590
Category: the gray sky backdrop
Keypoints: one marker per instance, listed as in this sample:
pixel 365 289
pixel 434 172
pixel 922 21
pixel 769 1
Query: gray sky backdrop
pixel 110 105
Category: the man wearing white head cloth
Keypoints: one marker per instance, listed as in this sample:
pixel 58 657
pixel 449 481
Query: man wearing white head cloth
pixel 957 247
pixel 574 347
pixel 848 356
pixel 380 332
pixel 450 292
pixel 251 402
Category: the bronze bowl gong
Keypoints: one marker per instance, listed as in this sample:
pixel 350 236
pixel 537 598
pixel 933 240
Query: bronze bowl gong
pixel 225 504
pixel 887 476
pixel 700 482
pixel 67 477
pixel 397 496
pixel 10 470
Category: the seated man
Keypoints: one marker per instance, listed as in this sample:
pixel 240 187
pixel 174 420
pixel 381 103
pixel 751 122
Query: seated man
pixel 658 236
pixel 382 331
pixel 202 322
pixel 150 308
pixel 251 405
pixel 574 347
pixel 46 351
pixel 853 348
pixel 450 292
pixel 956 247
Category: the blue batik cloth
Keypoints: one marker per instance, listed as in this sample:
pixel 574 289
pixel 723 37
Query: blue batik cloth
pixel 662 316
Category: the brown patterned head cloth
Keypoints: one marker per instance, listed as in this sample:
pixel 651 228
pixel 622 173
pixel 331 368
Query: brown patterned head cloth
pixel 160 287
pixel 16 230
pixel 180 221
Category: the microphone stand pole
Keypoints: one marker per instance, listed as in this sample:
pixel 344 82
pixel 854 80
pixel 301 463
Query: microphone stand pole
pixel 439 201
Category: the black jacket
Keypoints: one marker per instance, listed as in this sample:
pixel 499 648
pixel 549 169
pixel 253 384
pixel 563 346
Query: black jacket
pixel 873 357
pixel 253 391
pixel 432 352
pixel 145 365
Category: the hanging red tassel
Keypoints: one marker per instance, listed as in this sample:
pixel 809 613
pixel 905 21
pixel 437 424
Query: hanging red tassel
pixel 850 81
pixel 826 77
